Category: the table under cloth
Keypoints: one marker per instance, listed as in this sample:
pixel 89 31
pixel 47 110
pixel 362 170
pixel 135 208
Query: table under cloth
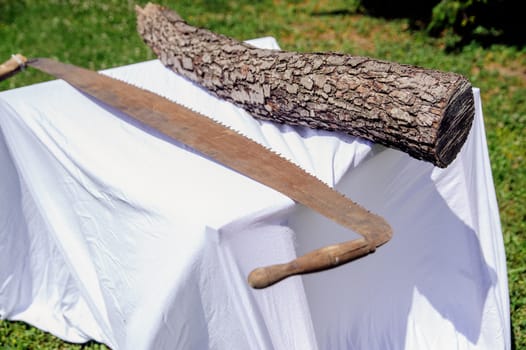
pixel 110 231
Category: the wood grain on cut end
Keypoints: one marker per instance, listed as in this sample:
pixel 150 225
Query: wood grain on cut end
pixel 423 112
pixel 456 124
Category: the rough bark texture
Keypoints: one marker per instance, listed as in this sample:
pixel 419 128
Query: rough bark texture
pixel 423 112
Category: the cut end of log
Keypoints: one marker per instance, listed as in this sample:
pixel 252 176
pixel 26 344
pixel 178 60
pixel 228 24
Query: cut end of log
pixel 147 10
pixel 455 125
pixel 151 10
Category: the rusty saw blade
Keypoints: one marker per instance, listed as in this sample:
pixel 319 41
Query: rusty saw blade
pixel 236 152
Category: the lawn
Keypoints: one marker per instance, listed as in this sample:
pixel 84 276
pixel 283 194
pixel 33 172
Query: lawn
pixel 101 34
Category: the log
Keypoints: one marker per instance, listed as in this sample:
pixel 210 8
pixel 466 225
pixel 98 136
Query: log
pixel 423 112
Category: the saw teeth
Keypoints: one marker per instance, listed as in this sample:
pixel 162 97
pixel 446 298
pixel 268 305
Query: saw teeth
pixel 264 147
pixel 225 146
pixel 239 132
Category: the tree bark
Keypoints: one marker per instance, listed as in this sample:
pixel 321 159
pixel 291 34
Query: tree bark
pixel 425 113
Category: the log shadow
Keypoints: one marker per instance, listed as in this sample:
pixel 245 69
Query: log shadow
pixel 431 274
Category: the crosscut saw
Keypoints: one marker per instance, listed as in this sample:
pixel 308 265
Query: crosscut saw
pixel 236 152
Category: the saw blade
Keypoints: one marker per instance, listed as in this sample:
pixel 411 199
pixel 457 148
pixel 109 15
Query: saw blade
pixel 222 145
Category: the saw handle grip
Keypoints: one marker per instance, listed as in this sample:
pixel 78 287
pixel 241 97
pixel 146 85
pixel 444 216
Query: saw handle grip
pixel 11 66
pixel 321 259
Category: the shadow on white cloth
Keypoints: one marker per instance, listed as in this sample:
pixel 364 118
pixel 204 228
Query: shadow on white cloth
pixel 434 263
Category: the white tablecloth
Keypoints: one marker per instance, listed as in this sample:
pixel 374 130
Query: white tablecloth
pixel 110 231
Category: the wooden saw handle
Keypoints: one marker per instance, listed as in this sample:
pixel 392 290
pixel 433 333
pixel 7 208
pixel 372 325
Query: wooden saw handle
pixel 11 66
pixel 317 260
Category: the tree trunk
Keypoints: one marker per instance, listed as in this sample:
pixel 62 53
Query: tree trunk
pixel 423 112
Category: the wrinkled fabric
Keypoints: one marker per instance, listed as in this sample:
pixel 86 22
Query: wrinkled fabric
pixel 110 231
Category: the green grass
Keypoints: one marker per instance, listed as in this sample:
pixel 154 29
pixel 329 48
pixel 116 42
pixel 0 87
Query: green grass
pixel 21 336
pixel 101 34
